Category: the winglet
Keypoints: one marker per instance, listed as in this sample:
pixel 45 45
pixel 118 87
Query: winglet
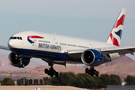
pixel 116 33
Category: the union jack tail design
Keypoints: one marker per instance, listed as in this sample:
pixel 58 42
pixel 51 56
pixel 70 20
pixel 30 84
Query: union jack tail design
pixel 116 33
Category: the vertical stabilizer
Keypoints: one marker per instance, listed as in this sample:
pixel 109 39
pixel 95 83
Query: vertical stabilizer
pixel 116 33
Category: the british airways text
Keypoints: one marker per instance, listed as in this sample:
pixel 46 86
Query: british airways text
pixel 47 46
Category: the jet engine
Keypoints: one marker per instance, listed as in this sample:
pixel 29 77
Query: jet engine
pixel 92 57
pixel 18 60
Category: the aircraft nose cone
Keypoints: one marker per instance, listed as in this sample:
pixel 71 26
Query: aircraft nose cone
pixel 11 44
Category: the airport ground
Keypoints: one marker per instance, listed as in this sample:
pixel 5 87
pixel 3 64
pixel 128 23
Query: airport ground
pixel 42 87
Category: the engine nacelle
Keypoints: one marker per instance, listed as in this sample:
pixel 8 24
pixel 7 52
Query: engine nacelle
pixel 92 57
pixel 18 61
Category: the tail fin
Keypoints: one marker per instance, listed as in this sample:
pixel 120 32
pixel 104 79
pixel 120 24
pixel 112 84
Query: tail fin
pixel 116 33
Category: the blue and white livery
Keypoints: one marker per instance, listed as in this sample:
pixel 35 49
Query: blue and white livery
pixel 56 49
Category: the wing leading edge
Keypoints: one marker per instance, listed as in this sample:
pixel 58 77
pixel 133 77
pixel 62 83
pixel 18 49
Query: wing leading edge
pixel 122 50
pixel 4 47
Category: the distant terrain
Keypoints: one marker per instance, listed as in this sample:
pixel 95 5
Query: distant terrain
pixel 123 66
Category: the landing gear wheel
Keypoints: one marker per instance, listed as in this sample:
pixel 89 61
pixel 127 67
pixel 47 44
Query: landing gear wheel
pixel 46 71
pixel 92 74
pixel 51 75
pixel 92 71
pixel 56 74
pixel 97 73
pixel 86 70
pixel 51 72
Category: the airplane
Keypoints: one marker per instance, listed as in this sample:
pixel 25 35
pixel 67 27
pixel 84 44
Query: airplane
pixel 62 50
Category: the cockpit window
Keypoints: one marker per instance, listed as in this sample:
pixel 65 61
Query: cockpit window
pixel 19 38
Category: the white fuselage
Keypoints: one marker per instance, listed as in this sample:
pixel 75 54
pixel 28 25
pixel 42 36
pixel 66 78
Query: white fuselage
pixel 50 43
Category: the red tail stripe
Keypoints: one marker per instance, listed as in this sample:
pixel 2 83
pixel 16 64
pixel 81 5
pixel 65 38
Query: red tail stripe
pixel 114 40
pixel 120 21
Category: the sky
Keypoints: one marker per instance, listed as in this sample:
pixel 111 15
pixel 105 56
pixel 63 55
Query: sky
pixel 88 19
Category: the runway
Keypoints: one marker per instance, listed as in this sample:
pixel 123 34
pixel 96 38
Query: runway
pixel 44 87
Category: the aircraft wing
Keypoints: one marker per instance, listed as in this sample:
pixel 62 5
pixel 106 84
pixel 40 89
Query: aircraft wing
pixel 4 47
pixel 121 50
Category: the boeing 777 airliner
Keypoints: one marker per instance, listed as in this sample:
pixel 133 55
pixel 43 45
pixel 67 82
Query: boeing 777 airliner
pixel 56 49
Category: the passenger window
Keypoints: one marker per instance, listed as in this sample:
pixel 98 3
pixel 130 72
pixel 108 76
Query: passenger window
pixel 10 37
pixel 19 38
pixel 14 37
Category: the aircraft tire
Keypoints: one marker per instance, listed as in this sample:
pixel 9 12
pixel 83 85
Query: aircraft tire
pixel 86 70
pixel 51 75
pixel 97 73
pixel 46 71
pixel 92 74
pixel 56 74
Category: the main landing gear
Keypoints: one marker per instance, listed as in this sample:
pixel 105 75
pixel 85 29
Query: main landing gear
pixel 92 71
pixel 51 71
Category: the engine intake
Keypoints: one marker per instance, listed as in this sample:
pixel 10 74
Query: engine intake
pixel 18 61
pixel 92 57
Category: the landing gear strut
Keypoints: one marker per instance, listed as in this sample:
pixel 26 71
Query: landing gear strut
pixel 92 71
pixel 51 71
